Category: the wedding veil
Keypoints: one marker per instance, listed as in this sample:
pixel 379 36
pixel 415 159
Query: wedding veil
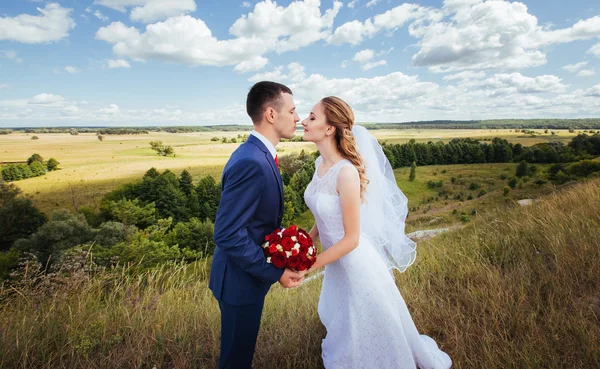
pixel 385 207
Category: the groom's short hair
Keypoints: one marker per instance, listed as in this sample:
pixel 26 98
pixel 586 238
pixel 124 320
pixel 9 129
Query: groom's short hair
pixel 262 95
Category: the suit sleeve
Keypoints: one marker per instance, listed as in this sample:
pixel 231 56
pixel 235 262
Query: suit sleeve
pixel 242 191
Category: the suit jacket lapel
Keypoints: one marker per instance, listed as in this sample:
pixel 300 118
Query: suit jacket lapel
pixel 274 168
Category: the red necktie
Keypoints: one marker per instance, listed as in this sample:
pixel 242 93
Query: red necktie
pixel 277 161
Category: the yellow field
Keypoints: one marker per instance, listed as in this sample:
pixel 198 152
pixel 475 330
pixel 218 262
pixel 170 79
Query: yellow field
pixel 90 168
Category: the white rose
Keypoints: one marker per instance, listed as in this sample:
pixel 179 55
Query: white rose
pixel 296 246
pixel 288 253
pixel 294 238
pixel 269 259
pixel 279 248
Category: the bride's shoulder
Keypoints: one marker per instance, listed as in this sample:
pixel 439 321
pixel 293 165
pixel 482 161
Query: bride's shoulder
pixel 347 171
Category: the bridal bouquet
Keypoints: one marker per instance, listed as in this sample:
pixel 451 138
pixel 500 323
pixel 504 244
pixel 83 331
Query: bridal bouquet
pixel 290 247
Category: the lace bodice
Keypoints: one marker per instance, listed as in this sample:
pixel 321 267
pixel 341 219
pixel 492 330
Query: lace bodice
pixel 322 199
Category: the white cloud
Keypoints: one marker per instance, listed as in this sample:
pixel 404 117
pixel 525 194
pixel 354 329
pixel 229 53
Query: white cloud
pixel 295 26
pixel 594 91
pixel 71 69
pixel 10 55
pixel 246 4
pixel 352 4
pixel 372 65
pixel 363 56
pixel 101 16
pixel 516 82
pixel 295 74
pixel 148 11
pixel 491 34
pixel 574 67
pixel 45 98
pixel 4 85
pixel 372 3
pixel 251 65
pixel 119 63
pixel 466 75
pixel 586 73
pixel 53 24
pixel 111 110
pixel 354 32
pixel 184 39
pixel 595 50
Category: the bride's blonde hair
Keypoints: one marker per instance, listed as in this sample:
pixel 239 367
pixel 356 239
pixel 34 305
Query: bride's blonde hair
pixel 339 115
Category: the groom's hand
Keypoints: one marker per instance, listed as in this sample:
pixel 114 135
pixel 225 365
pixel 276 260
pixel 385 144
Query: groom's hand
pixel 291 279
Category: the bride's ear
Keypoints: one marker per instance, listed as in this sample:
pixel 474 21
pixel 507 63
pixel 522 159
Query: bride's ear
pixel 330 131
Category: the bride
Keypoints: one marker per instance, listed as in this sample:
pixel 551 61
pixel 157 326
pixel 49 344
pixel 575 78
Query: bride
pixel 360 215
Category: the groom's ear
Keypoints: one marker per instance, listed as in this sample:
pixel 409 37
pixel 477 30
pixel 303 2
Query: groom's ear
pixel 269 115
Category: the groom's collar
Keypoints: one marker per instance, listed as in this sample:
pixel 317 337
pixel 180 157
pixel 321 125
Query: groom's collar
pixel 268 144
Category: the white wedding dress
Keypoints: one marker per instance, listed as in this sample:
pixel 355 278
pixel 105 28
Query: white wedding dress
pixel 367 321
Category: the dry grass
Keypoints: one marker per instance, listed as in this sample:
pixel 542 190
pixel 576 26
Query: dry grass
pixel 518 288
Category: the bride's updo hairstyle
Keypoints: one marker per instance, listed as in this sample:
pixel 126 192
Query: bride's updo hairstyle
pixel 340 115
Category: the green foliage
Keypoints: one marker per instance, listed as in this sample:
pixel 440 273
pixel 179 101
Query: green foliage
pixel 63 231
pixel 194 235
pixel 35 157
pixel 413 171
pixel 473 186
pixel 131 212
pixel 185 182
pixel 162 150
pixel 112 233
pixel 52 164
pixel 208 193
pixel 37 169
pixel 18 217
pixel 506 190
pixel 8 261
pixel 35 138
pixel 512 182
pixel 522 169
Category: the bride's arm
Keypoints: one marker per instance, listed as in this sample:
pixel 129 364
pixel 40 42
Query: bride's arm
pixel 314 232
pixel 348 187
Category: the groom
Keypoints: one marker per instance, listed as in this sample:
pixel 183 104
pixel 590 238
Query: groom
pixel 251 207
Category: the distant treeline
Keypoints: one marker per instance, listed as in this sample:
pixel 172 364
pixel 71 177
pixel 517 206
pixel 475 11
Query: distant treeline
pixel 576 124
pixel 590 123
pixel 35 167
pixel 471 151
pixel 5 131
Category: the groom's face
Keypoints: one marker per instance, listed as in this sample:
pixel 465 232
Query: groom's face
pixel 285 120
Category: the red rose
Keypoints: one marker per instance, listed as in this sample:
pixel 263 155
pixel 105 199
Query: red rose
pixel 287 244
pixel 295 252
pixel 274 237
pixel 290 231
pixel 293 262
pixel 304 241
pixel 272 248
pixel 304 264
pixel 303 249
pixel 279 259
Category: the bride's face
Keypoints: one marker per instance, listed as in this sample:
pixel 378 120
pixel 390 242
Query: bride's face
pixel 315 125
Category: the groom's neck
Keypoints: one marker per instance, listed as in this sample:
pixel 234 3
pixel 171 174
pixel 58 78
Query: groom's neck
pixel 267 131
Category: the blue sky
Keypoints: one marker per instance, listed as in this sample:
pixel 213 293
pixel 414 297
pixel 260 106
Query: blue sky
pixel 191 62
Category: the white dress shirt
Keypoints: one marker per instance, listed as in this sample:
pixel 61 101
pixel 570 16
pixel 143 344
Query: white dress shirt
pixel 266 142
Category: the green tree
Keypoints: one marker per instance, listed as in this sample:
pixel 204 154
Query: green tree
pixel 185 182
pixel 131 212
pixel 522 169
pixel 52 164
pixel 18 217
pixel 37 168
pixel 209 196
pixel 194 235
pixel 413 171
pixel 35 157
pixel 63 231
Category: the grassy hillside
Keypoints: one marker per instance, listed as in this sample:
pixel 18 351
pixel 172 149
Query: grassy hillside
pixel 516 288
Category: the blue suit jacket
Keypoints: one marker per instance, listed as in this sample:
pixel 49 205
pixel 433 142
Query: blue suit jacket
pixel 251 207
